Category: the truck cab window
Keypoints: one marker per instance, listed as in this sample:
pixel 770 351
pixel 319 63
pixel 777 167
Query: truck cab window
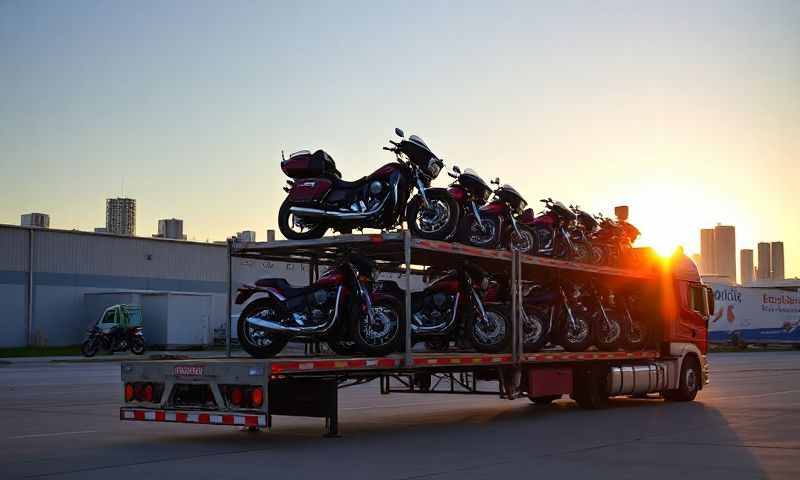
pixel 109 318
pixel 697 299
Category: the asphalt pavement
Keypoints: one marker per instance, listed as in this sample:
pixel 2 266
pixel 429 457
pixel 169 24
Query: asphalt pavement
pixel 60 420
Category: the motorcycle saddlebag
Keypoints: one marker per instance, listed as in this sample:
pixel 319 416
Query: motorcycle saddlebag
pixel 304 164
pixel 309 190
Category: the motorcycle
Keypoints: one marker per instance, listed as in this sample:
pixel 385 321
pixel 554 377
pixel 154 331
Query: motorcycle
pixel 634 330
pixel 582 230
pixel 468 191
pixel 556 313
pixel 318 199
pixel 454 306
pixel 340 308
pixel 496 224
pixel 116 339
pixel 616 239
pixel 552 232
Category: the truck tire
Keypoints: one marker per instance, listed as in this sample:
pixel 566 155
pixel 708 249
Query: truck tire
pixel 544 400
pixel 590 387
pixel 689 383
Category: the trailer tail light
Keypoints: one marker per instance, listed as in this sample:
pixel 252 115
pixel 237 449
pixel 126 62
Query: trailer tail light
pixel 148 393
pixel 257 397
pixel 236 396
pixel 128 392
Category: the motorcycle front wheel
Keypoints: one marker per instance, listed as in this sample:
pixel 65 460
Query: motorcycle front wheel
pixel 608 336
pixel 89 347
pixel 295 229
pixel 484 234
pixel 492 334
pixel 257 341
pixel 384 335
pixel 575 337
pixel 437 221
pixel 525 242
pixel 535 328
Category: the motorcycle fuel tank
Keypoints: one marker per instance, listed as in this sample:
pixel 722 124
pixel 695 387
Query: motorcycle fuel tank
pixel 331 278
pixel 546 220
pixel 445 285
pixel 496 208
pixel 385 171
pixel 458 193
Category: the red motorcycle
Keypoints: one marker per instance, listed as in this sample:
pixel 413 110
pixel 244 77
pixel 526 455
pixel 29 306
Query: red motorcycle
pixel 340 308
pixel 319 199
pixel 616 239
pixel 552 230
pixel 497 224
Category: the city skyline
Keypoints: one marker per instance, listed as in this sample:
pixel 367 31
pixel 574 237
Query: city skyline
pixel 693 123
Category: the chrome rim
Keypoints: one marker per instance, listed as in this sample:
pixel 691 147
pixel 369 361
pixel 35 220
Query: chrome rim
pixel 609 331
pixel 258 336
pixel 383 329
pixel 300 225
pixel 579 333
pixel 691 379
pixel 434 218
pixel 521 243
pixel 532 327
pixel 491 330
pixel 479 237
pixel 635 335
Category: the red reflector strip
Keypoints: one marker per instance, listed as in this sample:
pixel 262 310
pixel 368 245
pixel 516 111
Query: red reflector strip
pixel 185 417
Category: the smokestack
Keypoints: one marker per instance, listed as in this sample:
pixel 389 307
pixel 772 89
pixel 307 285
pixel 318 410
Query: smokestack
pixel 270 235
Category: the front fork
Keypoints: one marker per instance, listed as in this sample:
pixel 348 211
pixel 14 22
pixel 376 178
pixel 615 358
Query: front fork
pixel 570 318
pixel 421 188
pixel 477 214
pixel 476 300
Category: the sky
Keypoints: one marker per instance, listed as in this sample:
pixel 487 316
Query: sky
pixel 689 112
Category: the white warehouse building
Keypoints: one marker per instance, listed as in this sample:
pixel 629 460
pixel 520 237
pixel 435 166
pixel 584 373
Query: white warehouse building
pixel 45 276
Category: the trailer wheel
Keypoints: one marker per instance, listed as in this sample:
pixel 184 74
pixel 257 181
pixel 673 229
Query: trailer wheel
pixel 689 382
pixel 590 387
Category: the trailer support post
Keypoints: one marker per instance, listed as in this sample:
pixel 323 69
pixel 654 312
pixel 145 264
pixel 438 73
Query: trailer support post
pixel 407 317
pixel 229 297
pixel 514 309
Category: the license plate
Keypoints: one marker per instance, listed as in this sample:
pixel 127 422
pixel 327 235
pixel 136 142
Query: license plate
pixel 189 371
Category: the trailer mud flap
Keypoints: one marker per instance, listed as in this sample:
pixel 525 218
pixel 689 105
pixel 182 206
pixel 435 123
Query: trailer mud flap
pixel 543 382
pixel 306 397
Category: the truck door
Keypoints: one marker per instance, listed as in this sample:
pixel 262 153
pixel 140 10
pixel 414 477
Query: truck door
pixel 694 312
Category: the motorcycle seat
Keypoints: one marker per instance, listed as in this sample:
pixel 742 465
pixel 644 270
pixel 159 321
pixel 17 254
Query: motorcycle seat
pixel 287 289
pixel 339 183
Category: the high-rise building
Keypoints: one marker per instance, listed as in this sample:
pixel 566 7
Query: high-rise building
pixel 39 220
pixel 246 236
pixel 121 216
pixel 746 265
pixel 170 228
pixel 725 251
pixel 707 256
pixel 776 261
pixel 763 261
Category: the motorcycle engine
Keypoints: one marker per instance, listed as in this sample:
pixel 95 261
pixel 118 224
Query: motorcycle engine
pixel 318 307
pixel 436 309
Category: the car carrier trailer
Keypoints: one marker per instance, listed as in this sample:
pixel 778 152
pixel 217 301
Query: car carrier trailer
pixel 248 392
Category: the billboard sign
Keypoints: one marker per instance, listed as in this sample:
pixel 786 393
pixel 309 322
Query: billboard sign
pixel 754 315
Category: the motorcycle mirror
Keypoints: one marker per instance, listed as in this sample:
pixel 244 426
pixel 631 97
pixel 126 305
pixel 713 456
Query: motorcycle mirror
pixel 399 133
pixel 496 181
pixel 456 169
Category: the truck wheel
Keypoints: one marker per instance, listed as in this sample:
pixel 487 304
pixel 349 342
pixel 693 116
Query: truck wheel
pixel 257 341
pixel 590 387
pixel 689 383
pixel 544 400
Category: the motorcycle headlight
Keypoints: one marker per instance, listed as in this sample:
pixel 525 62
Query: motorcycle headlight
pixel 434 167
pixel 485 283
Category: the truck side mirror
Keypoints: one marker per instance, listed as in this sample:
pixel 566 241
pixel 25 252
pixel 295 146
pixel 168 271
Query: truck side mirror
pixel 710 300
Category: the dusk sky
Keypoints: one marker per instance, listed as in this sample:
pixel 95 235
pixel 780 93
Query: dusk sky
pixel 689 112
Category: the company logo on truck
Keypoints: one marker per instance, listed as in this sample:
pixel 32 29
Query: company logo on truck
pixel 188 371
pixel 727 295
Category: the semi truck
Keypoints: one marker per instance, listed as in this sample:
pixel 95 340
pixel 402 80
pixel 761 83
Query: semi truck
pixel 248 392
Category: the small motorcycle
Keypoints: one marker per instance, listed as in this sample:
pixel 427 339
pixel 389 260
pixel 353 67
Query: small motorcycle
pixel 468 191
pixel 318 199
pixel 116 339
pixel 454 304
pixel 340 308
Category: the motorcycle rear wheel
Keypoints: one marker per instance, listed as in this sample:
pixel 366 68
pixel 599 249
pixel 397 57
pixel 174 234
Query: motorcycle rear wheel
pixel 439 222
pixel 256 341
pixel 89 347
pixel 287 227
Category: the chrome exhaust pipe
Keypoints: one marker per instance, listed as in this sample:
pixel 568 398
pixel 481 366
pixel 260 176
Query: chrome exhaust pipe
pixel 279 327
pixel 318 213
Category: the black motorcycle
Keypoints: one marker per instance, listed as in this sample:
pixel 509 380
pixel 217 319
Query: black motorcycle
pixel 556 313
pixel 116 339
pixel 318 199
pixel 497 224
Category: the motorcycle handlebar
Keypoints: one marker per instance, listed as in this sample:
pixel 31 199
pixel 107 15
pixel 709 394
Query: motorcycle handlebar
pixel 390 149
pixel 452 175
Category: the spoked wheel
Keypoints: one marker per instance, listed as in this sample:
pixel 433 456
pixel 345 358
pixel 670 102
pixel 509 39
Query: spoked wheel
pixel 258 341
pixel 574 335
pixel 485 234
pixel 597 255
pixel 535 327
pixel 608 335
pixel 436 221
pixel 297 228
pixel 382 334
pixel 635 333
pixel 491 334
pixel 525 242
pixel 582 253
